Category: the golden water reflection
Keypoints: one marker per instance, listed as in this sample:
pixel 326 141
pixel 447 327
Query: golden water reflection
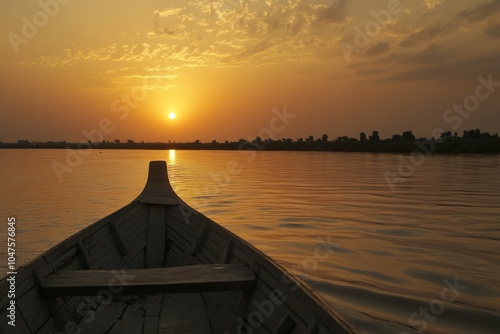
pixel 171 157
pixel 389 252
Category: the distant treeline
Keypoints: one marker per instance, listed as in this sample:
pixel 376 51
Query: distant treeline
pixel 471 141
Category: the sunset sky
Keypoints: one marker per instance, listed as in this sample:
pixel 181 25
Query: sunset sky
pixel 340 67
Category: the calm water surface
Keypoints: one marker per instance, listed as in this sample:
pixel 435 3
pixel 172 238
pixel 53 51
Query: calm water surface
pixel 389 254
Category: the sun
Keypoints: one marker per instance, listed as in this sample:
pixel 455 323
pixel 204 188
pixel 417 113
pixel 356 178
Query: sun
pixel 172 115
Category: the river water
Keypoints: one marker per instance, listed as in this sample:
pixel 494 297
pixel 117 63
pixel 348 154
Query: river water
pixel 423 257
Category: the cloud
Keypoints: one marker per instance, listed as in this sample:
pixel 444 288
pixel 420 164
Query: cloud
pixel 164 31
pixel 370 72
pixel 434 54
pixel 493 31
pixel 462 70
pixel 168 12
pixel 379 48
pixel 427 33
pixel 469 15
pixel 479 13
pixel 431 4
pixel 251 51
pixel 336 13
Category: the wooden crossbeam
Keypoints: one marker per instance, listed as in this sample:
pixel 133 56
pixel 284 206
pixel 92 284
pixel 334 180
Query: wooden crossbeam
pixel 183 279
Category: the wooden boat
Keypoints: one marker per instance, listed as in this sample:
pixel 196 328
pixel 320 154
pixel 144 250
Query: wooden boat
pixel 158 266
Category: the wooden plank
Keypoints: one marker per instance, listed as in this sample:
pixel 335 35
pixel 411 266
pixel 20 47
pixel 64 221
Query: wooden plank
pixel 183 314
pixel 138 261
pixel 108 260
pixel 99 243
pixel 84 256
pixel 228 252
pixel 132 320
pixel 220 308
pixel 188 232
pixel 118 239
pixel 132 225
pixel 178 238
pixel 155 247
pixel 48 327
pixel 195 278
pixel 104 320
pixel 67 257
pixel 151 314
pixel 21 326
pixel 135 245
pixel 216 237
pixel 208 254
pixel 178 219
pixel 92 229
pixel 215 249
pixel 263 304
pixel 33 309
pixel 285 326
pixel 200 238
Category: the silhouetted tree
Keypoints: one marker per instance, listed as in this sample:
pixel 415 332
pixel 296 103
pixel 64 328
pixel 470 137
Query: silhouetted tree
pixel 472 134
pixel 343 139
pixel 310 139
pixel 362 136
pixel 408 136
pixel 445 135
pixel 374 136
pixel 324 138
pixel 130 141
pixel 117 141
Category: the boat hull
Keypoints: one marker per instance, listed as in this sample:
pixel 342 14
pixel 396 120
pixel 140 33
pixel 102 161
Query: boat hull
pixel 159 230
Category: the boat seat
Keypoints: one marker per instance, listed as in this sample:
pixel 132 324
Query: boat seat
pixel 182 279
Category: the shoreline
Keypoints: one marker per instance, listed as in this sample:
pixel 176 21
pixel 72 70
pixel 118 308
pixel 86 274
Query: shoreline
pixel 425 146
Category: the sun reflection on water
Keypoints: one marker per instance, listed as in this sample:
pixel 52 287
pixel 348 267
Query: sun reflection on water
pixel 171 157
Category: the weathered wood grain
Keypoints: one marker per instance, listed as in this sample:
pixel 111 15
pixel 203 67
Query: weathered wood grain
pixel 195 278
pixel 155 247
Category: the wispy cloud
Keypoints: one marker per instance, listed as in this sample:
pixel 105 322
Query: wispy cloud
pixel 428 33
pixel 493 31
pixel 458 70
pixel 168 12
pixel 479 13
pixel 431 4
pixel 378 48
pixel 439 29
pixel 335 13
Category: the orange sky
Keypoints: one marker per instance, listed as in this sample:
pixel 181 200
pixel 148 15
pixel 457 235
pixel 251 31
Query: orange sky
pixel 340 67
